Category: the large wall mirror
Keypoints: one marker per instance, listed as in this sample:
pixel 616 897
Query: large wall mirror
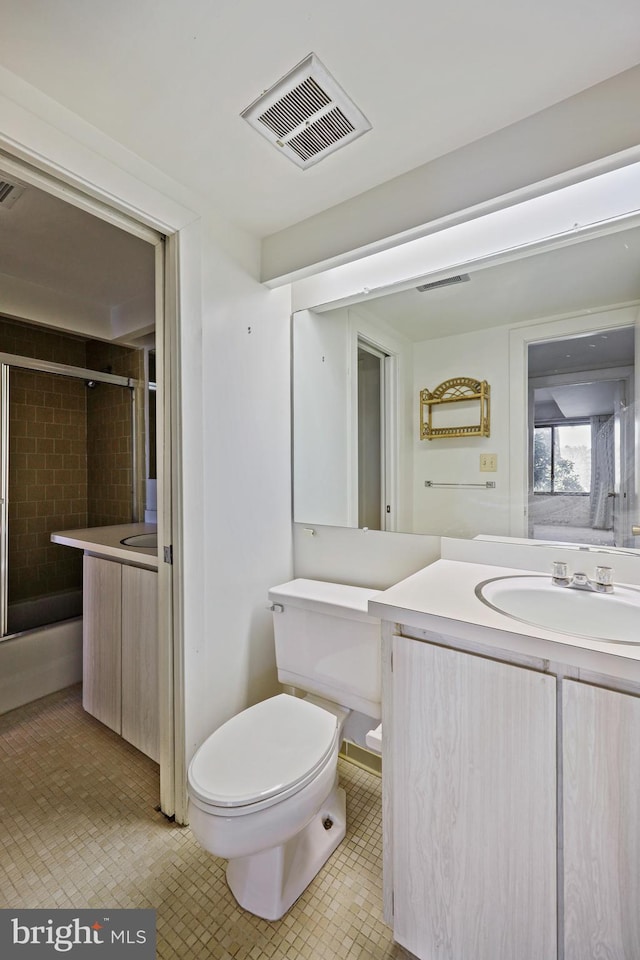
pixel 554 335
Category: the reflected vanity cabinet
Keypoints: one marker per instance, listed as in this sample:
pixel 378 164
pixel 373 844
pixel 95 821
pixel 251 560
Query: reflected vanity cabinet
pixel 487 855
pixel 120 662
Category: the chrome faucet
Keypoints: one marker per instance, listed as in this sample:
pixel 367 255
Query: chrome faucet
pixel 603 582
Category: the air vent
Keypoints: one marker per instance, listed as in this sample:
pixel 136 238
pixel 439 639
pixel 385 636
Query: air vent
pixel 306 114
pixel 447 282
pixel 9 193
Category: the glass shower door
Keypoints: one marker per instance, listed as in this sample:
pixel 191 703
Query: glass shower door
pixel 67 462
pixel 47 490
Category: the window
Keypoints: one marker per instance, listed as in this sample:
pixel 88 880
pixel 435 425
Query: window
pixel 562 458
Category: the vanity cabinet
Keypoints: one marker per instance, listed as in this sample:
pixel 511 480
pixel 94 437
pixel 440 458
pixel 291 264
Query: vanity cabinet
pixel 473 805
pixel 102 640
pixel 511 810
pixel 601 822
pixel 120 660
pixel 511 774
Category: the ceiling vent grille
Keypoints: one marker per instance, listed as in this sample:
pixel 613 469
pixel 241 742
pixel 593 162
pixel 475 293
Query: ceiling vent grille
pixel 9 193
pixel 306 114
pixel 447 282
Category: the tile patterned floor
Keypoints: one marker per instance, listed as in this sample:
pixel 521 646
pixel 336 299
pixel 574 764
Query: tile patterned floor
pixel 80 829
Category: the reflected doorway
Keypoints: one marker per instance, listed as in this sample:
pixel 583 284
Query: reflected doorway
pixel 581 439
pixel 375 438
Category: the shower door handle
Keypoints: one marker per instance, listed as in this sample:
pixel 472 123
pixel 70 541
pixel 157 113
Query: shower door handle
pixel 635 531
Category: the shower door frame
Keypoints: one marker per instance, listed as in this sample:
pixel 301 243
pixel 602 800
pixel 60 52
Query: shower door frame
pixel 8 360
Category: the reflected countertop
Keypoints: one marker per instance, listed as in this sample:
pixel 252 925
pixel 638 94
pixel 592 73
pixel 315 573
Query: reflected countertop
pixel 105 542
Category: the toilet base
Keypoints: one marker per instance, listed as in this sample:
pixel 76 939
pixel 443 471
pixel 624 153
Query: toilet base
pixel 268 883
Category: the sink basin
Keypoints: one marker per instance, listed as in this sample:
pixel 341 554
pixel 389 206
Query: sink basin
pixel 141 540
pixel 613 617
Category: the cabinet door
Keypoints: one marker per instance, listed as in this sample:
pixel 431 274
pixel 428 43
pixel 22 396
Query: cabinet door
pixel 601 803
pixel 474 806
pixel 140 724
pixel 101 617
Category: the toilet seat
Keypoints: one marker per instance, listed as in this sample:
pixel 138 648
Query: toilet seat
pixel 263 755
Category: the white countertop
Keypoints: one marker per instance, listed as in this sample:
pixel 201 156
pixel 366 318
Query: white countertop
pixel 105 542
pixel 441 599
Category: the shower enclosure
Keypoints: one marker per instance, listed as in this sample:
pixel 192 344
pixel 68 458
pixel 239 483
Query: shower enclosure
pixel 68 440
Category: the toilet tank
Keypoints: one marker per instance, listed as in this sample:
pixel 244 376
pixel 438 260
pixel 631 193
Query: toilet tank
pixel 327 643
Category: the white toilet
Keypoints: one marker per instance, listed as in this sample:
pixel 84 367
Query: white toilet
pixel 263 788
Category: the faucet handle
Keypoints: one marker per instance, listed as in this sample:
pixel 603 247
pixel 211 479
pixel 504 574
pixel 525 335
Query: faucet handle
pixel 560 573
pixel 604 577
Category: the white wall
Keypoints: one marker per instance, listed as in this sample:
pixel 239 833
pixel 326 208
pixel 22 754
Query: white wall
pixel 24 300
pixel 363 558
pixel 245 525
pixel 322 439
pixel 463 511
pixel 325 403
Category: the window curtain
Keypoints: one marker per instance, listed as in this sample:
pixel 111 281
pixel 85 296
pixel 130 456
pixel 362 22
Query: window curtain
pixel 602 472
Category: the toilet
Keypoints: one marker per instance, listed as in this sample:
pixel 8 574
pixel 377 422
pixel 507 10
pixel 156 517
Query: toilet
pixel 263 788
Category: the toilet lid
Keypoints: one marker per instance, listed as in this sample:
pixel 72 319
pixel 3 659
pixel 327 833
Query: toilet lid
pixel 267 750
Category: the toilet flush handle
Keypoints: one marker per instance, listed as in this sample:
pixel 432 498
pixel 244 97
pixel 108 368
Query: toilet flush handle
pixel 275 607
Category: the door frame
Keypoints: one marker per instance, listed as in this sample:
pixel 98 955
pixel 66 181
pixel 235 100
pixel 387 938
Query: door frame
pixel 102 190
pixel 519 399
pixel 623 377
pixel 365 333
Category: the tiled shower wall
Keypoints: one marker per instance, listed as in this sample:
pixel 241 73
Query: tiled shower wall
pixel 110 441
pixel 47 481
pixel 70 454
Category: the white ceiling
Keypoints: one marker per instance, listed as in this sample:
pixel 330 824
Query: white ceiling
pixel 169 78
pixel 66 268
pixel 593 351
pixel 563 359
pixel 52 244
pixel 576 401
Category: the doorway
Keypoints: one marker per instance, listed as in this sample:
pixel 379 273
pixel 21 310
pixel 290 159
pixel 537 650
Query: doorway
pixel 121 317
pixel 376 431
pixel 581 438
pixel 370 437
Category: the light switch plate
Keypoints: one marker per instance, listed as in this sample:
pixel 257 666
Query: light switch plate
pixel 488 462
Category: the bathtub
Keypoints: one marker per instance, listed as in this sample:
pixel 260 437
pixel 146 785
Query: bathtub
pixel 41 656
